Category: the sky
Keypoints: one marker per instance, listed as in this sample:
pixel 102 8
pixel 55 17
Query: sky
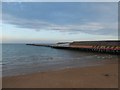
pixel 35 22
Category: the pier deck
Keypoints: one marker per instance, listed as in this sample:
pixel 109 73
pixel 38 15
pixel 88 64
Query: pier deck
pixel 93 46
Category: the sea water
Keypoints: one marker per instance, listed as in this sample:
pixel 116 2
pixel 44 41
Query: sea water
pixel 19 59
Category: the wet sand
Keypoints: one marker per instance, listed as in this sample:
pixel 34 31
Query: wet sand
pixel 104 76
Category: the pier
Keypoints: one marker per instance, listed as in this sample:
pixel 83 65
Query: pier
pixel 112 46
pixel 45 45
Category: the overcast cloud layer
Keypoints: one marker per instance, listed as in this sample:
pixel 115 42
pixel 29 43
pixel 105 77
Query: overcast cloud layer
pixel 92 18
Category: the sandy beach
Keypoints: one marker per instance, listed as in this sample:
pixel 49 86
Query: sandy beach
pixel 104 76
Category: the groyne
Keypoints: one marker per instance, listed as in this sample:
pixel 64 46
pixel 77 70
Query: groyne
pixel 112 46
pixel 45 45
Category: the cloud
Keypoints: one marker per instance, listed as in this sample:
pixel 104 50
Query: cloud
pixel 98 28
pixel 61 1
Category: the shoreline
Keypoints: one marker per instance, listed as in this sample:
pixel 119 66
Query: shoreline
pixel 104 76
